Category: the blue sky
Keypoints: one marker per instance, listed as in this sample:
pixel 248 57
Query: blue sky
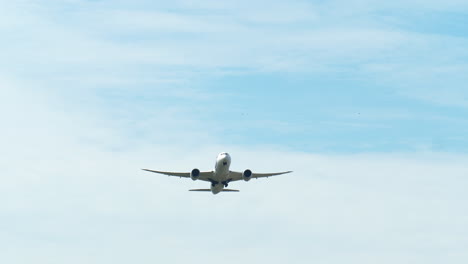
pixel 366 101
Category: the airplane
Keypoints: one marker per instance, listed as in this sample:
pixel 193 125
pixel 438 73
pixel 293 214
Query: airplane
pixel 220 177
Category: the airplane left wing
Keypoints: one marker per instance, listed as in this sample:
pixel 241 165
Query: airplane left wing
pixel 236 176
pixel 204 175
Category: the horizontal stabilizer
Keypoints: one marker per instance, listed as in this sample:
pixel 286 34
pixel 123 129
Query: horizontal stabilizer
pixel 208 190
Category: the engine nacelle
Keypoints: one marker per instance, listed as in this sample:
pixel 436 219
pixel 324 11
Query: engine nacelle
pixel 194 174
pixel 246 175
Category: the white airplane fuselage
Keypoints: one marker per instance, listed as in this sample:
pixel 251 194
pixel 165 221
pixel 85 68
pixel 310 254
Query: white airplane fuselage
pixel 221 172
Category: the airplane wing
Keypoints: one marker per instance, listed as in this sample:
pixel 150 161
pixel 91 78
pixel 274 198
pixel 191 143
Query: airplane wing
pixel 236 176
pixel 204 175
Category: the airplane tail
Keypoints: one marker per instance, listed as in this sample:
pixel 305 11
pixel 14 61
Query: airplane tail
pixel 209 190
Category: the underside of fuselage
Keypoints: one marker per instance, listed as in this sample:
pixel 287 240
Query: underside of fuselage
pixel 216 188
pixel 221 173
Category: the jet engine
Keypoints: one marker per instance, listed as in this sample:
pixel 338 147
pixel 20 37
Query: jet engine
pixel 194 174
pixel 246 175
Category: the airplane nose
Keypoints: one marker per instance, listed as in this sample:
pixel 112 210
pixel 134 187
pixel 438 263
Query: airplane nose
pixel 224 158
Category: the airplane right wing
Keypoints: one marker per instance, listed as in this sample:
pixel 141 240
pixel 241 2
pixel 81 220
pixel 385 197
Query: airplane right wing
pixel 204 175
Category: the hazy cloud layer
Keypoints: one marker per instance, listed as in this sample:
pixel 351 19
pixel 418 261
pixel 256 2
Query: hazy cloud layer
pixel 365 101
pixel 72 191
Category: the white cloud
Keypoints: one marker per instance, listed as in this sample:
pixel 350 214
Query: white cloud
pixel 71 186
pixel 95 45
pixel 65 199
pixel 105 36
